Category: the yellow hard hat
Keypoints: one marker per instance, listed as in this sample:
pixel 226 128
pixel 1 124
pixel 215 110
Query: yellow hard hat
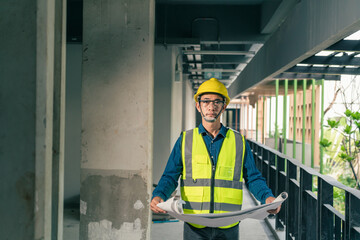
pixel 212 86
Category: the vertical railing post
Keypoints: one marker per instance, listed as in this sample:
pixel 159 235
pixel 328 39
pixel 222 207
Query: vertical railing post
pixel 291 206
pixel 325 220
pixel 280 187
pixel 352 213
pixel 304 220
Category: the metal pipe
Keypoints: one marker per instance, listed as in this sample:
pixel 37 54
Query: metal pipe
pixel 321 125
pixel 294 122
pixel 276 116
pixel 211 52
pixel 269 117
pixel 303 122
pixel 312 122
pixel 247 117
pixel 263 123
pixel 256 120
pixel 214 70
pixel 285 113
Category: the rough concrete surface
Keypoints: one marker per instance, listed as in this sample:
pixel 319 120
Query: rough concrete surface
pixel 112 207
pixel 249 229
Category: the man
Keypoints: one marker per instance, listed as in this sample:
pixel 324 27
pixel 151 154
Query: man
pixel 212 161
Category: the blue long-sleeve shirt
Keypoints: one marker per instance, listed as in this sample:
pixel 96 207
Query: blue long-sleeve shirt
pixel 252 177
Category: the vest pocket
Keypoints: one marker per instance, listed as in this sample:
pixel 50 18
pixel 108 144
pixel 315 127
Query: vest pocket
pixel 193 194
pixel 228 195
pixel 201 166
pixel 224 172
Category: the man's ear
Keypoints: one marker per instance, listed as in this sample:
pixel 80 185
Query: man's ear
pixel 197 106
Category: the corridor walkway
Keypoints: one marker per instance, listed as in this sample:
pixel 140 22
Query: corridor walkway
pixel 249 229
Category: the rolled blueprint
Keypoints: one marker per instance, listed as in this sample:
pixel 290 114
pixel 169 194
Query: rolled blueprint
pixel 174 208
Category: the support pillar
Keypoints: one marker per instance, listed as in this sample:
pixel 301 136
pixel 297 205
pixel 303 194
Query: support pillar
pixel 117 119
pixel 26 119
pixel 59 122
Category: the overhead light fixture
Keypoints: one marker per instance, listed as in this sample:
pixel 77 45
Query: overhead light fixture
pixel 213 70
pixel 210 52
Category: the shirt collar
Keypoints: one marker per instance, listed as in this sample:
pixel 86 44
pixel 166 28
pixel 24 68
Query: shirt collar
pixel 222 131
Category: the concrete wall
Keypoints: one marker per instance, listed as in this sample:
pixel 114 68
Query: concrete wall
pixel 73 125
pixel 289 150
pixel 117 119
pixel 163 79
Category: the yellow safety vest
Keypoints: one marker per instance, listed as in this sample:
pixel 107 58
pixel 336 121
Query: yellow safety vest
pixel 212 189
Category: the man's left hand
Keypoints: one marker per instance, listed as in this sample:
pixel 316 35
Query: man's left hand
pixel 272 211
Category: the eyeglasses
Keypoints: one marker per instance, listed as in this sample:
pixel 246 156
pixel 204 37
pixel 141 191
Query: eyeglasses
pixel 216 103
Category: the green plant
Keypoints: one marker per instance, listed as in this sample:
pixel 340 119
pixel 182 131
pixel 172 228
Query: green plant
pixel 347 148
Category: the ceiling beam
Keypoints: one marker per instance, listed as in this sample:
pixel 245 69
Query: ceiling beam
pixel 228 24
pixel 215 52
pixel 269 25
pixel 214 70
pixel 341 61
pixel 324 70
pixel 345 46
pixel 307 76
pixel 311 27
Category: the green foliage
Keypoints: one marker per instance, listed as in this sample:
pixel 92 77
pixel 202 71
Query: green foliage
pixel 355 116
pixel 348 113
pixel 342 146
pixel 325 143
pixel 348 129
pixel 333 123
pixel 339 200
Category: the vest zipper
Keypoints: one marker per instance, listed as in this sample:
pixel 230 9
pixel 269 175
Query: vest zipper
pixel 212 189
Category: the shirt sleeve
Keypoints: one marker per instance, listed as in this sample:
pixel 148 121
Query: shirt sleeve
pixel 253 178
pixel 169 180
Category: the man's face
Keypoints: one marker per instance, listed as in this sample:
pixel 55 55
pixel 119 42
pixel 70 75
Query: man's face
pixel 210 105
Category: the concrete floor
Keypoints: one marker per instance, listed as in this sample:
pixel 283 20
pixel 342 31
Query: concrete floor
pixel 249 229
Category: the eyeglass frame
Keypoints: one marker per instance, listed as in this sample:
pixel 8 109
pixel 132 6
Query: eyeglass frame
pixel 216 102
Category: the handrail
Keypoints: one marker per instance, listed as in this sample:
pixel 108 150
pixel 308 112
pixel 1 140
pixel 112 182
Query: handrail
pixel 307 215
pixel 309 170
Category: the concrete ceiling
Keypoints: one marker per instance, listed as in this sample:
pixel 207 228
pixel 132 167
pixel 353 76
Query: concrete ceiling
pixel 249 43
pixel 218 38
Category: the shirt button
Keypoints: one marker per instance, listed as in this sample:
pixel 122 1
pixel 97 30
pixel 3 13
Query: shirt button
pixel 212 157
pixel 212 141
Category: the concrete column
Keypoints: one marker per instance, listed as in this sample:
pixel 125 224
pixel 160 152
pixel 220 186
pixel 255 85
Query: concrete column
pixel 117 119
pixel 162 108
pixel 59 122
pixel 26 119
pixel 177 100
pixel 190 110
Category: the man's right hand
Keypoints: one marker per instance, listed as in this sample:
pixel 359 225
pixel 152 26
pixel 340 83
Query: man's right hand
pixel 153 204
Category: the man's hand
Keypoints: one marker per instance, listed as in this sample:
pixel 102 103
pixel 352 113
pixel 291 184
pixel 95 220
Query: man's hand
pixel 153 204
pixel 273 211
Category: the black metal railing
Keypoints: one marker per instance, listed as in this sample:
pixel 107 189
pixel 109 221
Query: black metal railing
pixel 307 214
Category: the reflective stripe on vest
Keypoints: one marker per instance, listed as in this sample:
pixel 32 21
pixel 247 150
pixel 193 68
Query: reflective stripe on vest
pixel 196 180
